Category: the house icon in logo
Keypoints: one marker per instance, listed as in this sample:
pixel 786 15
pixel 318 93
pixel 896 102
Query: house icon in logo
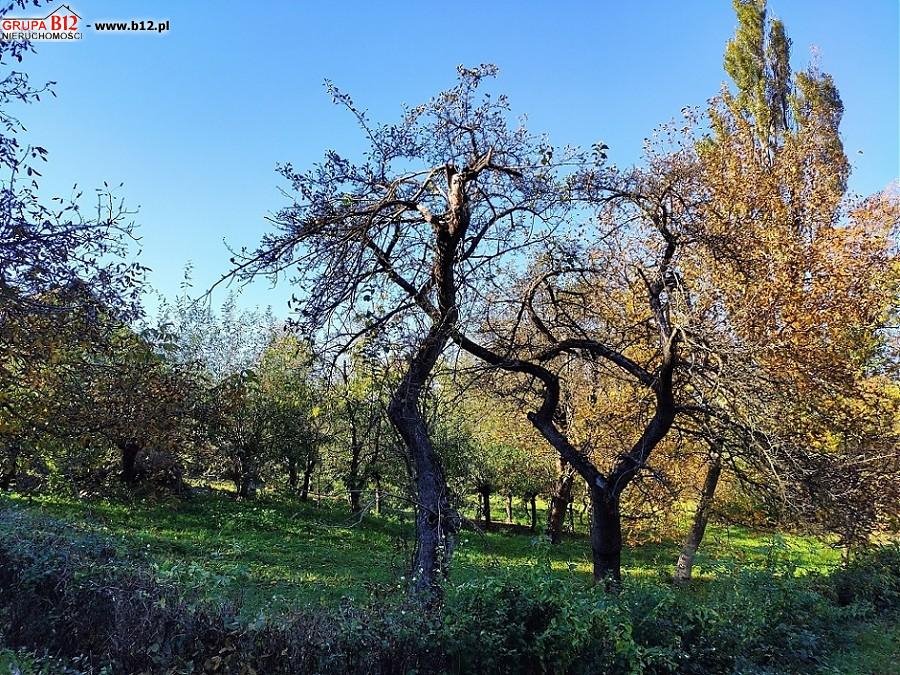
pixel 59 11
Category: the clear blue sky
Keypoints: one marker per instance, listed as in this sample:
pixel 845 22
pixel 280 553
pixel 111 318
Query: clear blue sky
pixel 194 121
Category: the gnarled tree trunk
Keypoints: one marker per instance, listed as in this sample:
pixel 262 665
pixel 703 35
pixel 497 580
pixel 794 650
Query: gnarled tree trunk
pixel 560 500
pixel 606 536
pixel 436 521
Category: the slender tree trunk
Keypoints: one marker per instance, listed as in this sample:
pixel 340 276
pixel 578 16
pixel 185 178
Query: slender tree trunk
pixel 378 497
pixel 355 501
pixel 560 500
pixel 436 521
pixel 129 450
pixel 246 475
pixel 486 508
pixel 293 475
pixel 532 502
pixel 685 562
pixel 12 467
pixel 509 510
pixel 354 481
pixel 244 490
pixel 307 477
pixel 606 537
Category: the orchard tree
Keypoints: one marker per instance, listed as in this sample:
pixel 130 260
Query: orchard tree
pixel 295 391
pixel 701 285
pixel 58 258
pixel 361 397
pixel 804 284
pixel 225 350
pixel 133 398
pixel 501 453
pixel 406 242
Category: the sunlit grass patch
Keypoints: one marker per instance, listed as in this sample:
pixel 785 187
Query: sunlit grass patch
pixel 291 552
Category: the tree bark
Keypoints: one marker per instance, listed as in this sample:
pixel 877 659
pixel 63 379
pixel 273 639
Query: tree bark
pixel 354 485
pixel 245 487
pixel 685 563
pixel 129 450
pixel 12 467
pixel 559 500
pixel 606 537
pixel 353 480
pixel 532 502
pixel 246 475
pixel 486 508
pixel 307 478
pixel 378 495
pixel 509 509
pixel 436 521
pixel 293 475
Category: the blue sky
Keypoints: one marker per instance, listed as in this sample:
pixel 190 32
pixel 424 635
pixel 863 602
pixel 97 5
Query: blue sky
pixel 194 121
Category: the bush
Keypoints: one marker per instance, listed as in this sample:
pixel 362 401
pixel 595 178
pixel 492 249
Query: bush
pixel 873 578
pixel 75 597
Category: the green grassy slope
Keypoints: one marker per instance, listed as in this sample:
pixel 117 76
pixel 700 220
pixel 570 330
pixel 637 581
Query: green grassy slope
pixel 282 551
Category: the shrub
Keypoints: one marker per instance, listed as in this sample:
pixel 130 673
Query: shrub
pixel 872 577
pixel 75 597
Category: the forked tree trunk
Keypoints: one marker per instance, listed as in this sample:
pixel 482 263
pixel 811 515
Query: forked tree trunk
pixel 560 500
pixel 606 537
pixel 307 477
pixel 549 418
pixel 685 564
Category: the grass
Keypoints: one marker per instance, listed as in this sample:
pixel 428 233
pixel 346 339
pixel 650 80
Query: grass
pixel 874 649
pixel 276 553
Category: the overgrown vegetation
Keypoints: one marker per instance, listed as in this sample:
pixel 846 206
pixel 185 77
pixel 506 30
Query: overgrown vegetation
pixel 88 599
pixel 277 553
